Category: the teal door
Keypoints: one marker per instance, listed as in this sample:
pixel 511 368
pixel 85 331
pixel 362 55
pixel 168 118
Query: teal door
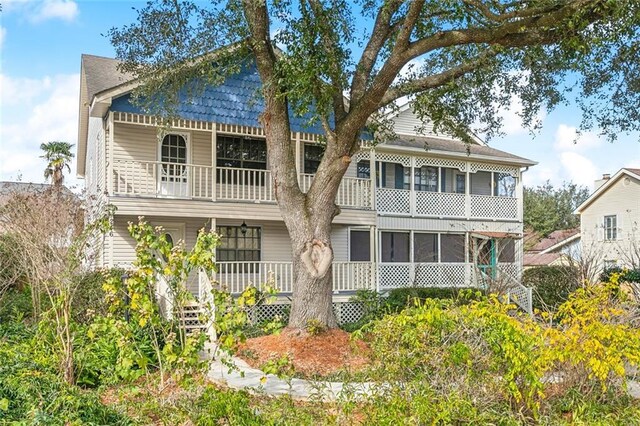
pixel 487 259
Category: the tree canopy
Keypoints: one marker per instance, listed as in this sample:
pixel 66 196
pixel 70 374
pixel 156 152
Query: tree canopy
pixel 462 60
pixel 547 209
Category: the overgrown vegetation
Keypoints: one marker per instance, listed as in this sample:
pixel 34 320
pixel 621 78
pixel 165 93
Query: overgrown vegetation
pixel 441 356
pixel 551 285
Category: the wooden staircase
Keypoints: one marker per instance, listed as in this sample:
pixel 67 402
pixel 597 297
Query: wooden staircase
pixel 190 318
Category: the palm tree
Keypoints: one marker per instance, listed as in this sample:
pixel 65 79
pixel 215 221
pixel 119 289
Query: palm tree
pixel 58 155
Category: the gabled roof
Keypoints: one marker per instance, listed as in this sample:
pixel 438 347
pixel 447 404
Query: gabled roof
pixel 458 148
pixel 556 240
pixel 633 173
pixel 408 106
pixel 540 259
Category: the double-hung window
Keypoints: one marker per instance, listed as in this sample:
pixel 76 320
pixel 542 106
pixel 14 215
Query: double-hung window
pixel 610 228
pixel 239 152
pixel 238 244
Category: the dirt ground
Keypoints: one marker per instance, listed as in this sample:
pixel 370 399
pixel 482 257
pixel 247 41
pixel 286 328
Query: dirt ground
pixel 312 356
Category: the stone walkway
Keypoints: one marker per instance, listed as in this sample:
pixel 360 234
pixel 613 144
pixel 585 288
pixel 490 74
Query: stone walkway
pixel 245 377
pixel 253 380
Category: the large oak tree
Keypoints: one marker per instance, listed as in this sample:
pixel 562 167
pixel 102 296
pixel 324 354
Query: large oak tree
pixel 461 61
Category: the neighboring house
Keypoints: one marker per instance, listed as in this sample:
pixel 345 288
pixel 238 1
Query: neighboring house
pixel 421 210
pixel 558 248
pixel 610 219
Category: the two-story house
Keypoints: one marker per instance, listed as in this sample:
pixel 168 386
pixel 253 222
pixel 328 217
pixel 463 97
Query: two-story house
pixel 421 210
pixel 610 221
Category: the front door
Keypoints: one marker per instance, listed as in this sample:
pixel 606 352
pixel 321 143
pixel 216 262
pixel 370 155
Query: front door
pixel 173 172
pixel 487 258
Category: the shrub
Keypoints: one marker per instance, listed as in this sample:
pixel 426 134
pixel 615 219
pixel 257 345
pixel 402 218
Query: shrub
pixel 32 392
pixel 400 298
pixel 89 298
pixel 16 305
pixel 628 275
pixel 551 285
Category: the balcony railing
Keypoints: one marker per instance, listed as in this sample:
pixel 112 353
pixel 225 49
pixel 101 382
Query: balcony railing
pixel 353 192
pixel 445 204
pixel 237 276
pixel 161 179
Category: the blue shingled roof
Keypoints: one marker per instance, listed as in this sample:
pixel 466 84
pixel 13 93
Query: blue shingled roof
pixel 237 101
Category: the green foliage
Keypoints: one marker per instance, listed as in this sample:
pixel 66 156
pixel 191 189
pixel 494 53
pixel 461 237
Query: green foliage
pixel 623 274
pixel 456 347
pixel 16 305
pixel 112 350
pixel 233 314
pixel 551 285
pixel 32 392
pixel 58 156
pixel 89 298
pixel 547 209
pixel 400 298
pixel 596 338
pixel 315 327
pixel 160 263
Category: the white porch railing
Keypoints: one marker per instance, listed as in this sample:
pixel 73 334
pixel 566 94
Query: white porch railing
pixel 237 276
pixel 398 275
pixel 353 192
pixel 445 204
pixel 244 184
pixel 161 179
pixel 486 206
pixel 154 178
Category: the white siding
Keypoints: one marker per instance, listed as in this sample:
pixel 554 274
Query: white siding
pixel 622 200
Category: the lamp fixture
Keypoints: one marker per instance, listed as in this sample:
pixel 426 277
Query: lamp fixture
pixel 243 228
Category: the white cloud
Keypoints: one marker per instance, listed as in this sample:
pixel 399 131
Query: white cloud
pixel 578 169
pixel 512 120
pixel 15 91
pixel 3 34
pixel 568 139
pixel 39 11
pixel 48 112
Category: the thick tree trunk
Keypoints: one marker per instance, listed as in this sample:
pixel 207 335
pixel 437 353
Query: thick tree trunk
pixel 308 216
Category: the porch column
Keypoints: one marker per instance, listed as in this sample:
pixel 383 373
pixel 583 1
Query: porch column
pixel 467 191
pixel 412 192
pixel 372 180
pixel 298 156
pixel 520 195
pixel 214 166
pixel 373 258
pixel 110 143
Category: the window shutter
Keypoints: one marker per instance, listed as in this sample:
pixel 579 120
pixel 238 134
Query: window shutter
pixel 619 230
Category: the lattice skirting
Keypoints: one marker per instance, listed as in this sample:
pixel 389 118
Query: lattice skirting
pixel 346 312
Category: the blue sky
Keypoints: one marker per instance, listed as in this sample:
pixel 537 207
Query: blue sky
pixel 40 47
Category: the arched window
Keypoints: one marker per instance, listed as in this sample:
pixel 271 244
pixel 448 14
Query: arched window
pixel 173 155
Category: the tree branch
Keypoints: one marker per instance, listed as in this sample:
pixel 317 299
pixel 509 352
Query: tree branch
pixel 436 80
pixel 382 29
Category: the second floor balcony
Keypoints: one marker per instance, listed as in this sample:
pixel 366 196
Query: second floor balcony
pixel 191 181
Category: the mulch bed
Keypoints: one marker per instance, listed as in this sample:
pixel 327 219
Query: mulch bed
pixel 311 355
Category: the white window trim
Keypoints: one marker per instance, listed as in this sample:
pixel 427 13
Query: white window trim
pixel 187 140
pixel 614 228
